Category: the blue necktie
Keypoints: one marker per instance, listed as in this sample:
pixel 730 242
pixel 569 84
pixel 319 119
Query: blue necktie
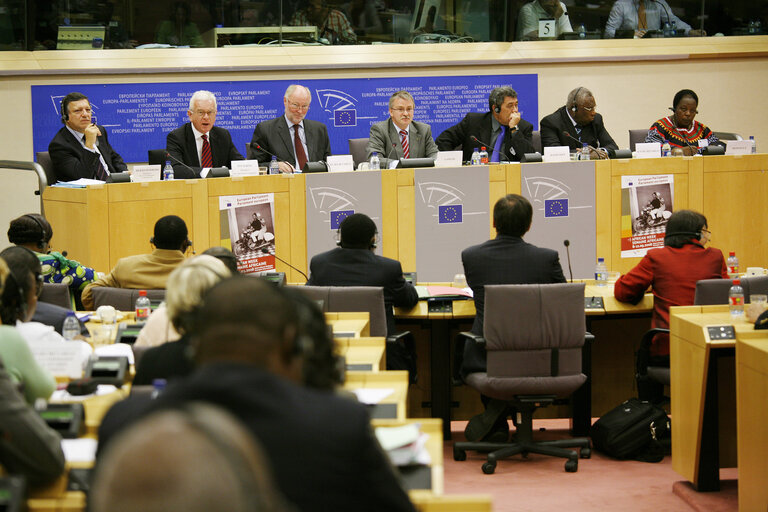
pixel 495 157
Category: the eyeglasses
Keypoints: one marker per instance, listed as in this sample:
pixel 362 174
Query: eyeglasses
pixel 203 113
pixel 589 109
pixel 705 230
pixel 81 111
pixel 296 106
pixel 403 109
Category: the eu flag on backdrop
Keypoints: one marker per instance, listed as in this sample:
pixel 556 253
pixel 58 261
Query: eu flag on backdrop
pixel 555 207
pixel 339 215
pixel 450 214
pixel 345 118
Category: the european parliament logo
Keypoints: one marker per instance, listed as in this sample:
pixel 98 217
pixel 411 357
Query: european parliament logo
pixel 344 118
pixel 339 215
pixel 555 207
pixel 450 214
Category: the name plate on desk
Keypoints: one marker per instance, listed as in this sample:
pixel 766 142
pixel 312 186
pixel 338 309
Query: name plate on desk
pixel 245 168
pixel 556 154
pixel 448 159
pixel 143 173
pixel 340 163
pixel 738 147
pixel 60 359
pixel 647 150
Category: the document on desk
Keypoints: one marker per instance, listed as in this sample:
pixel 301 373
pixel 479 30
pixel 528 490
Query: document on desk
pixel 79 450
pixel 372 396
pixel 427 292
pixel 405 444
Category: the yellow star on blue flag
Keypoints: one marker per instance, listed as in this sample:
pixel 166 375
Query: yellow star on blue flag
pixel 555 207
pixel 345 117
pixel 450 214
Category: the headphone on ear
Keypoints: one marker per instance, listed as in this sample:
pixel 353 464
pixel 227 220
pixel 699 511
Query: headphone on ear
pixel 574 108
pixel 40 244
pixel 497 109
pixel 64 113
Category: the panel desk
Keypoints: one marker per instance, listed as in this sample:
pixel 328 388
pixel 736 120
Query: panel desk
pixel 703 391
pixel 348 325
pixel 362 354
pixel 392 406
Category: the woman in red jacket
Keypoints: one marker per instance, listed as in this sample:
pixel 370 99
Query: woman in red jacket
pixel 672 272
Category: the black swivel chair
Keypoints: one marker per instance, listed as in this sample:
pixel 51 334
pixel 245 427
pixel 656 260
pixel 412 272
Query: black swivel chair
pixel 44 159
pixel 56 293
pixel 358 148
pixel 122 299
pixel 636 136
pixel 533 335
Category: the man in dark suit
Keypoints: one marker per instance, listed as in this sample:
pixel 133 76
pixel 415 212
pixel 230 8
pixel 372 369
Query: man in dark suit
pixel 401 136
pixel 579 119
pixel 506 259
pixel 292 138
pixel 249 357
pixel 81 148
pixel 354 263
pixel 198 143
pixel 504 120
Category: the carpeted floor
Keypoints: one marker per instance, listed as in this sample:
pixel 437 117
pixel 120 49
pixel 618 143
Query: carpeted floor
pixel 540 483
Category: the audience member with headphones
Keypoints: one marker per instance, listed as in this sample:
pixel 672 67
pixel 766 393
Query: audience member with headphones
pixel 673 271
pixel 577 123
pixel 17 303
pixel 81 148
pixel 34 232
pixel 147 271
pixel 476 130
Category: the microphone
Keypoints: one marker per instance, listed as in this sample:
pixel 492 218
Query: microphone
pixel 257 146
pixel 393 148
pixel 194 174
pixel 685 139
pixel 600 151
pixel 475 139
pixel 278 258
pixel 567 244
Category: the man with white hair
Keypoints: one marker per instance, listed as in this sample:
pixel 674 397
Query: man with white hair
pixel 292 138
pixel 199 144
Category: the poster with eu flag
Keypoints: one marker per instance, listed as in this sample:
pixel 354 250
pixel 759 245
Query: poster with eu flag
pixel 138 117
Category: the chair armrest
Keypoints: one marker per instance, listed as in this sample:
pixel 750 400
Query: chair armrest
pixel 644 350
pixel 589 337
pixel 473 337
pixel 400 337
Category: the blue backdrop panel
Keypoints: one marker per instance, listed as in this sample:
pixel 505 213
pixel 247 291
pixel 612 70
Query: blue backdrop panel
pixel 139 116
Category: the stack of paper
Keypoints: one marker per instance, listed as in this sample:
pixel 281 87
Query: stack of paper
pixel 405 445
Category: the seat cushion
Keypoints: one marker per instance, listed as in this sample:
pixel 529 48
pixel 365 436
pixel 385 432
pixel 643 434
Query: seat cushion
pixel 508 387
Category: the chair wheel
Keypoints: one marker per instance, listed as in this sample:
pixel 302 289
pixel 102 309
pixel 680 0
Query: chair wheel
pixel 571 466
pixel 489 468
pixel 585 453
pixel 459 455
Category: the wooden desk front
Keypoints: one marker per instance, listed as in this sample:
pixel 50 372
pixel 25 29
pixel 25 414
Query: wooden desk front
pixel 368 353
pixel 396 380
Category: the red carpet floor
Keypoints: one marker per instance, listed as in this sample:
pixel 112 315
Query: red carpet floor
pixel 540 483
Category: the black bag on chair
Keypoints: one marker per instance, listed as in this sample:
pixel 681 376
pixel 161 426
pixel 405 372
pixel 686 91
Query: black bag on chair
pixel 633 430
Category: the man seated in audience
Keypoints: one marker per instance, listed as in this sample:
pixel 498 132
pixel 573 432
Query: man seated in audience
pixel 644 15
pixel 198 144
pixel 331 24
pixel 530 14
pixel 203 459
pixel 506 259
pixel 354 263
pixel 508 134
pixel 400 136
pixel 147 271
pixel 577 123
pixel 292 138
pixel 249 360
pixel 81 148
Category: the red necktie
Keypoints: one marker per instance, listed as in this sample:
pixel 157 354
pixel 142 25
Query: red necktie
pixel 301 156
pixel 206 160
pixel 404 142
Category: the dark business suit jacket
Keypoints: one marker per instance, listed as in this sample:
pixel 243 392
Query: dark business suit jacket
pixel 167 361
pixel 480 125
pixel 320 445
pixel 275 136
pixel 385 140
pixel 594 134
pixel 53 315
pixel 361 267
pixel 71 161
pixel 180 143
pixel 503 260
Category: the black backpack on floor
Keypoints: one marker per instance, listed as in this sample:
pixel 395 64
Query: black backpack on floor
pixel 633 430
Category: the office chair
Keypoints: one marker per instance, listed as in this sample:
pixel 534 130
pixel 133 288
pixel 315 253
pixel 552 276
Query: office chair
pixel 156 157
pixel 728 136
pixel 715 291
pixel 56 293
pixel 358 150
pixel 636 136
pixel 533 336
pixel 536 141
pixel 44 159
pixel 122 299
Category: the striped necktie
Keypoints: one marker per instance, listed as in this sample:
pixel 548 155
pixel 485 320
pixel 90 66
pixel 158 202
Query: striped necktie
pixel 404 143
pixel 101 173
pixel 206 160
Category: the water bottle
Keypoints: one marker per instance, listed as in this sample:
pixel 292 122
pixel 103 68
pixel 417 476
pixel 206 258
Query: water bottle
pixel 71 327
pixel 667 30
pixel 483 156
pixel 582 31
pixel 733 265
pixel 673 29
pixel 158 386
pixel 375 163
pixel 476 157
pixel 168 171
pixel 666 149
pixel 274 167
pixel 601 272
pixel 754 144
pixel 142 306
pixel 751 27
pixel 758 26
pixel 584 152
pixel 736 300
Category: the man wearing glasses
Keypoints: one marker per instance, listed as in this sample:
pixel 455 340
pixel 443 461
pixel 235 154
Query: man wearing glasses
pixel 292 138
pixel 576 123
pixel 81 148
pixel 401 136
pixel 199 144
